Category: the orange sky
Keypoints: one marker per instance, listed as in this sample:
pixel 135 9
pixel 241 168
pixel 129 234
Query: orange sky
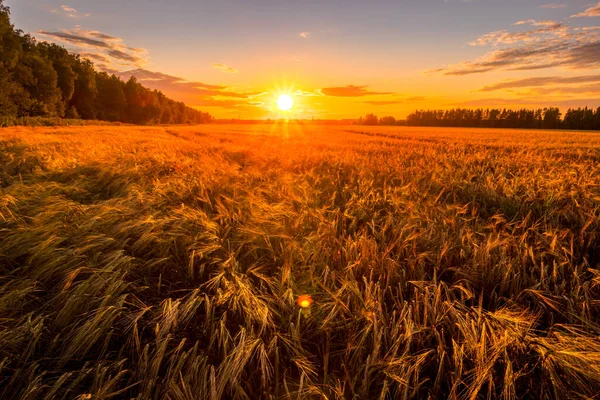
pixel 338 59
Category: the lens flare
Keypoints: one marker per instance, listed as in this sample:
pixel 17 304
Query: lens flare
pixel 304 301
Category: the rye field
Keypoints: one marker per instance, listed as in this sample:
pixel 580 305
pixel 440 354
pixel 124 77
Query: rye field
pixel 166 263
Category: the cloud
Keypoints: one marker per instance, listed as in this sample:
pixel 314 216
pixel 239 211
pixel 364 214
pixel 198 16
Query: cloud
pixel 549 85
pixel 95 57
pixel 545 29
pixel 103 36
pixel 533 22
pixel 552 44
pixel 593 11
pixel 225 68
pixel 68 9
pixel 561 90
pixel 304 35
pixel 144 75
pixel 304 93
pixel 71 12
pixel 74 39
pixel 196 94
pixel 540 81
pixel 98 46
pixel 553 5
pixel 350 91
pixel 121 55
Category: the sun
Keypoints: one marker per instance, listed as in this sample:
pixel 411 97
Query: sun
pixel 285 102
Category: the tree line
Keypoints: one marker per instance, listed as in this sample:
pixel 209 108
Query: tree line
pixel 547 118
pixel 39 79
pixel 372 119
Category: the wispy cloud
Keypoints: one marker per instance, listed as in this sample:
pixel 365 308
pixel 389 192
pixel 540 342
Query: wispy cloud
pixel 193 93
pixel 144 75
pixel 71 12
pixel 562 91
pixel 98 46
pixel 304 93
pixel 304 35
pixel 551 44
pixel 593 11
pixel 544 29
pixel 553 5
pixel 68 9
pixel 540 81
pixel 95 57
pixel 350 91
pixel 225 68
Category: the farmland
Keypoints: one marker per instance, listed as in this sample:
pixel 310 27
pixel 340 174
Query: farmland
pixel 165 263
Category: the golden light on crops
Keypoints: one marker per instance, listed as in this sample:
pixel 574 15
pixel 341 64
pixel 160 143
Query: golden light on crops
pixel 304 301
pixel 285 102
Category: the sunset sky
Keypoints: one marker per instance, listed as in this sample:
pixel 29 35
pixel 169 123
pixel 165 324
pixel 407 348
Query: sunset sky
pixel 338 59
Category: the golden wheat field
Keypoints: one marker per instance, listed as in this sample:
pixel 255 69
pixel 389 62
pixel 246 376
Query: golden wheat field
pixel 166 263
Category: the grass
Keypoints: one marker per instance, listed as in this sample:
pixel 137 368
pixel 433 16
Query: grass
pixel 47 121
pixel 165 263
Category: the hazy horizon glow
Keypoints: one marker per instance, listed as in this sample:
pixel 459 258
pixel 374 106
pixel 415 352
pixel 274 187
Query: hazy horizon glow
pixel 337 59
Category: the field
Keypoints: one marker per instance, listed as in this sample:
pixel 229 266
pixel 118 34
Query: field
pixel 166 262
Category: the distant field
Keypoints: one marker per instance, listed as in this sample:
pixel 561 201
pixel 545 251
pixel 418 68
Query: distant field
pixel 165 263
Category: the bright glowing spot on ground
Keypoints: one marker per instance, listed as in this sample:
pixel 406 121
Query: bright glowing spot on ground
pixel 305 301
pixel 285 102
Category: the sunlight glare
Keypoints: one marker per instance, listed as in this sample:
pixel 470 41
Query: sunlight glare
pixel 285 102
